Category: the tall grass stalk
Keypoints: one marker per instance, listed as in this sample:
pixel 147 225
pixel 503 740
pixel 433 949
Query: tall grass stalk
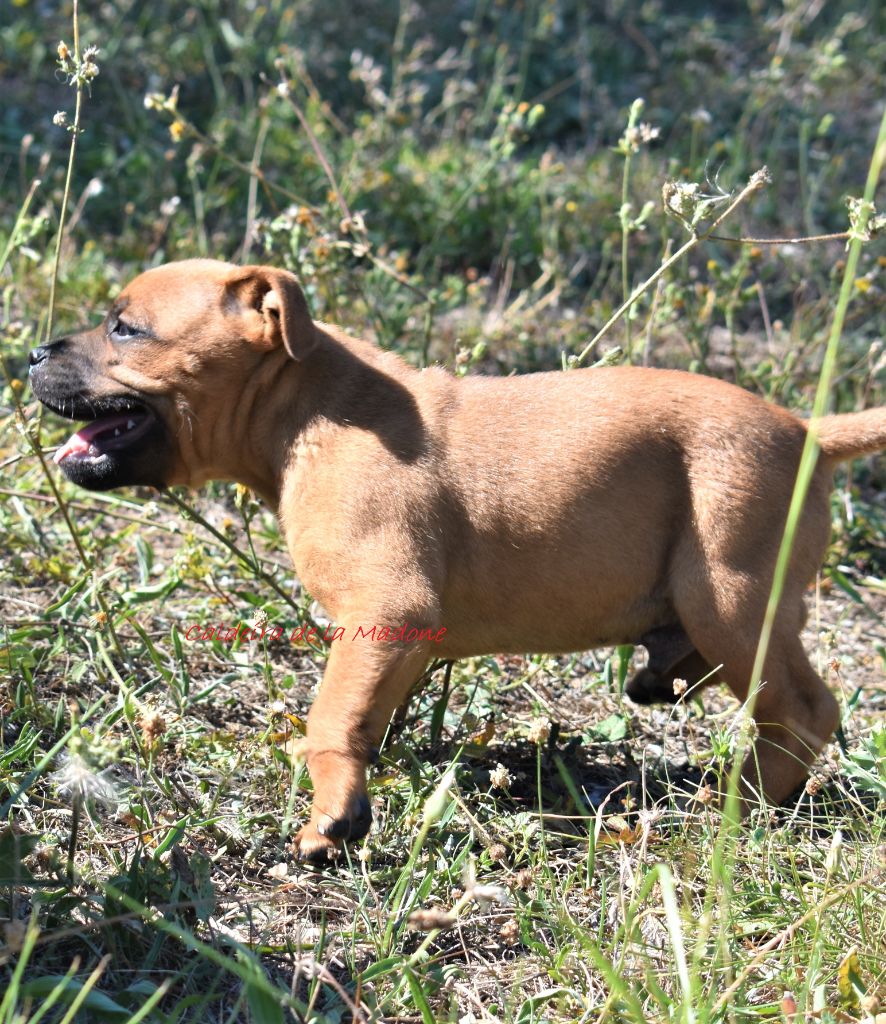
pixel 31 433
pixel 809 456
pixel 22 213
pixel 724 854
pixel 72 155
pixel 624 216
pixel 86 988
pixel 434 808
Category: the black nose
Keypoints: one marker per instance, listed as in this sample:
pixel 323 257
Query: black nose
pixel 38 355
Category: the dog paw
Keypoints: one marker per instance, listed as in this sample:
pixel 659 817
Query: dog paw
pixel 321 838
pixel 648 687
pixel 314 848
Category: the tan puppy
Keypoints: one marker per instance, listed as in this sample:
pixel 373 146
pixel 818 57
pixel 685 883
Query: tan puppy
pixel 552 512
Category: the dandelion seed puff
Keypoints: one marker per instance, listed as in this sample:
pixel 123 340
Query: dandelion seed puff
pixel 77 780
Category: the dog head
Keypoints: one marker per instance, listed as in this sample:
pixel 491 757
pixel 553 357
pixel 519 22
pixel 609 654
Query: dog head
pixel 164 379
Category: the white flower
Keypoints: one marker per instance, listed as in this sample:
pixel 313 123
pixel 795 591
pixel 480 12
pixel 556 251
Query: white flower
pixel 169 206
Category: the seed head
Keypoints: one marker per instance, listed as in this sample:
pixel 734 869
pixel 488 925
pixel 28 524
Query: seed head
pixel 488 894
pixel 760 179
pixel 539 731
pixel 500 777
pixel 813 785
pixel 152 725
pixel 78 780
pixel 429 920
pixel 705 794
pixel 98 621
pixel 523 879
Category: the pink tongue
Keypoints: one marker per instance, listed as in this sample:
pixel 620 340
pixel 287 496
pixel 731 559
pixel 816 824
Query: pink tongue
pixel 81 442
pixel 76 443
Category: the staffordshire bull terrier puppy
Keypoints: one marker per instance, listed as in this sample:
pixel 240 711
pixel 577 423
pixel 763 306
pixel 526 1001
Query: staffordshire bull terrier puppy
pixel 551 512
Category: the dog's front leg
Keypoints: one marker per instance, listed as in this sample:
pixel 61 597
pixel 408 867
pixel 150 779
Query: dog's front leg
pixel 365 681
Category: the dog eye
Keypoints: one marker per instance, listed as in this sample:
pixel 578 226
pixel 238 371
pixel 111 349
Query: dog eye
pixel 121 329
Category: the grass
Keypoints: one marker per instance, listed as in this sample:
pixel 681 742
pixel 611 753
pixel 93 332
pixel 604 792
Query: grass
pixel 472 187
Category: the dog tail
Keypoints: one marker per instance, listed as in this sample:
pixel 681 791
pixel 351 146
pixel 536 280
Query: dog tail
pixel 852 434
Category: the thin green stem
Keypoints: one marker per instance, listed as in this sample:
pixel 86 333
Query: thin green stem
pixel 625 216
pixel 72 839
pixel 22 213
pixel 72 153
pixel 251 563
pixel 754 185
pixel 722 861
pixel 625 236
pixel 809 456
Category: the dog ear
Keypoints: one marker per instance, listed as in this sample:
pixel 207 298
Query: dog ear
pixel 282 311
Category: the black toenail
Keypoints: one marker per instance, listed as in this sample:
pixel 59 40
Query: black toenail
pixel 353 826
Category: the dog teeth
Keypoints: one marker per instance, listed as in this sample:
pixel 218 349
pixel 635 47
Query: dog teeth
pixel 130 424
pixel 116 432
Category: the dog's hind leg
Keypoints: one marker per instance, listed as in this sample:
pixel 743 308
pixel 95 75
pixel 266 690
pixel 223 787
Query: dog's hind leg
pixel 671 656
pixel 796 714
pixel 794 711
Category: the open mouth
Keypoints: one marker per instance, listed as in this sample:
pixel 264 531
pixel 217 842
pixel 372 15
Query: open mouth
pixel 115 424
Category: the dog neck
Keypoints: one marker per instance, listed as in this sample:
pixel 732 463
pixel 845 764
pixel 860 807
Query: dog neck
pixel 342 383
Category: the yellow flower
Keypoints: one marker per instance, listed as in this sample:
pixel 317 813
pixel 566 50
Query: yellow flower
pixel 177 130
pixel 862 284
